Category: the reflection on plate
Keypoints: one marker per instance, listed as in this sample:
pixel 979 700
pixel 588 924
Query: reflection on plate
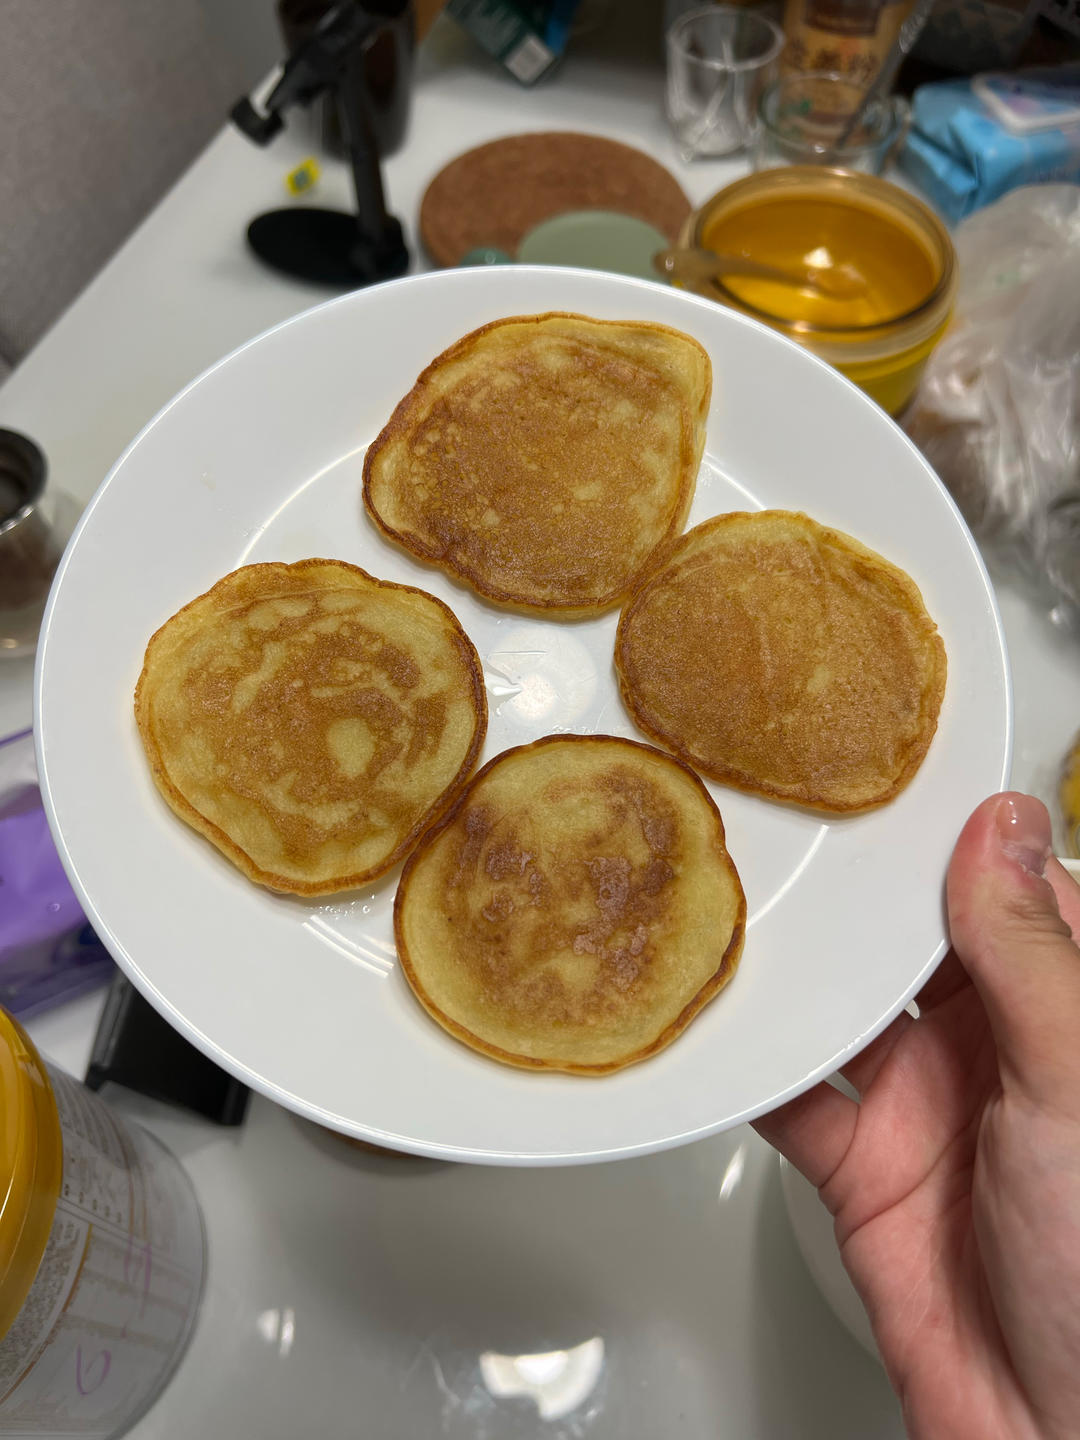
pixel 261 460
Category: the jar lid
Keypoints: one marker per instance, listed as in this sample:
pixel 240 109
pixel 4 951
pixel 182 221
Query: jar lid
pixel 31 1160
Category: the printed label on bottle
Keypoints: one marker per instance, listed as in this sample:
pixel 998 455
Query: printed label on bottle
pixel 115 1294
pixel 844 17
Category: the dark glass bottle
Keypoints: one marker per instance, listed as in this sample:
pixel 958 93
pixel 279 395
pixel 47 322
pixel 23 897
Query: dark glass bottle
pixel 387 72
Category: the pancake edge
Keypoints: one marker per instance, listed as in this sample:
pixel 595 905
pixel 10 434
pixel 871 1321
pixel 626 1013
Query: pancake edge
pixel 725 971
pixel 284 884
pixel 739 780
pixel 396 425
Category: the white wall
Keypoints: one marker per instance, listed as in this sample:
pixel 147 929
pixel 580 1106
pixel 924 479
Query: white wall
pixel 248 30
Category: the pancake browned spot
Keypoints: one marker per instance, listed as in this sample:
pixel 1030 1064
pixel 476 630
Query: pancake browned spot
pixel 575 910
pixel 310 720
pixel 784 658
pixel 546 460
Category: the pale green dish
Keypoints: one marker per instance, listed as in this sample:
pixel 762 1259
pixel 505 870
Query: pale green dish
pixel 594 240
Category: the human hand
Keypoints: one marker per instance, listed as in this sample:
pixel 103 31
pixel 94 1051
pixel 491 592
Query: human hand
pixel 955 1181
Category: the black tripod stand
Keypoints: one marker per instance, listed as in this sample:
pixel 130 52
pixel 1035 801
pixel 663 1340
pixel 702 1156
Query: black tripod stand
pixel 331 247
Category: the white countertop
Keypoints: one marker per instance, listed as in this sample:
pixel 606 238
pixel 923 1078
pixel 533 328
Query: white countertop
pixel 352 1293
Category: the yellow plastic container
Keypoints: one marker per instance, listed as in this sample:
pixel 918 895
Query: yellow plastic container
pixel 809 216
pixel 1070 799
pixel 101 1255
pixel 31 1158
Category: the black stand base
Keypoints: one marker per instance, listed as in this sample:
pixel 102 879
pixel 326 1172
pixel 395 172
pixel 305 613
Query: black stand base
pixel 135 1047
pixel 326 247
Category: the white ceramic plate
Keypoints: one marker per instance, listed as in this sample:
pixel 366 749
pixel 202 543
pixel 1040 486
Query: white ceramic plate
pixel 260 459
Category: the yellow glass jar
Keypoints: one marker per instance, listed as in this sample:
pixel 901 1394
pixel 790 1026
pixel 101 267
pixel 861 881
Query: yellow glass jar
pixel 31 1157
pixel 1070 800
pixel 810 217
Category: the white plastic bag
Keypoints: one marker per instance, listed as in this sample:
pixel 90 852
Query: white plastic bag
pixel 998 410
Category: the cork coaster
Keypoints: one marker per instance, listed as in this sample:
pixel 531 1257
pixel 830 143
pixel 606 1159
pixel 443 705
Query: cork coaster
pixel 495 194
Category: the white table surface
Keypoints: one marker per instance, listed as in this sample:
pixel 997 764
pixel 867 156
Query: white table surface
pixel 355 1294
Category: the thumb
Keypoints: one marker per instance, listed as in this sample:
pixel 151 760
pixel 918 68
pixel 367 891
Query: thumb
pixel 1015 940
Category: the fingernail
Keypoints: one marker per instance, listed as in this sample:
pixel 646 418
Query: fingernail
pixel 1024 831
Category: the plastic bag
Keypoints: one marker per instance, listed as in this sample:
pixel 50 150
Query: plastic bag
pixel 48 952
pixel 998 410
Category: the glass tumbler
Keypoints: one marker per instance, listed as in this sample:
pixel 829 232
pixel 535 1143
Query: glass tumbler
pixel 803 116
pixel 35 525
pixel 719 59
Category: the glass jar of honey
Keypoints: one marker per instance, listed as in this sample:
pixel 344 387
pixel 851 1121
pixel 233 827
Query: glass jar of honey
pixel 895 255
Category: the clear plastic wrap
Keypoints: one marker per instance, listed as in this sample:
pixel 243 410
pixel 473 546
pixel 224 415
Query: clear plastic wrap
pixel 998 410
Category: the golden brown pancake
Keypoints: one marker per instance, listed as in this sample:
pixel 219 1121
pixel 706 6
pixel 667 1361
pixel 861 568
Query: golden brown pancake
pixel 575 910
pixel 547 460
pixel 310 720
pixel 780 657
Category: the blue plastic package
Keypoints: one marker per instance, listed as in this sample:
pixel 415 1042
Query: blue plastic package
pixel 959 155
pixel 48 952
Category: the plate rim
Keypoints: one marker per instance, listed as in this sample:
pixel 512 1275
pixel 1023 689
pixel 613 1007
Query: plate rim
pixel 343 1124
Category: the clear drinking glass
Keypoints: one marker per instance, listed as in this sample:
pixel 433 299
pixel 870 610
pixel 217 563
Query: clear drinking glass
pixel 803 116
pixel 35 525
pixel 719 59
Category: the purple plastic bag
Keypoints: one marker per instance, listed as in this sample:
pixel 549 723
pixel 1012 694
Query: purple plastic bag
pixel 48 952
